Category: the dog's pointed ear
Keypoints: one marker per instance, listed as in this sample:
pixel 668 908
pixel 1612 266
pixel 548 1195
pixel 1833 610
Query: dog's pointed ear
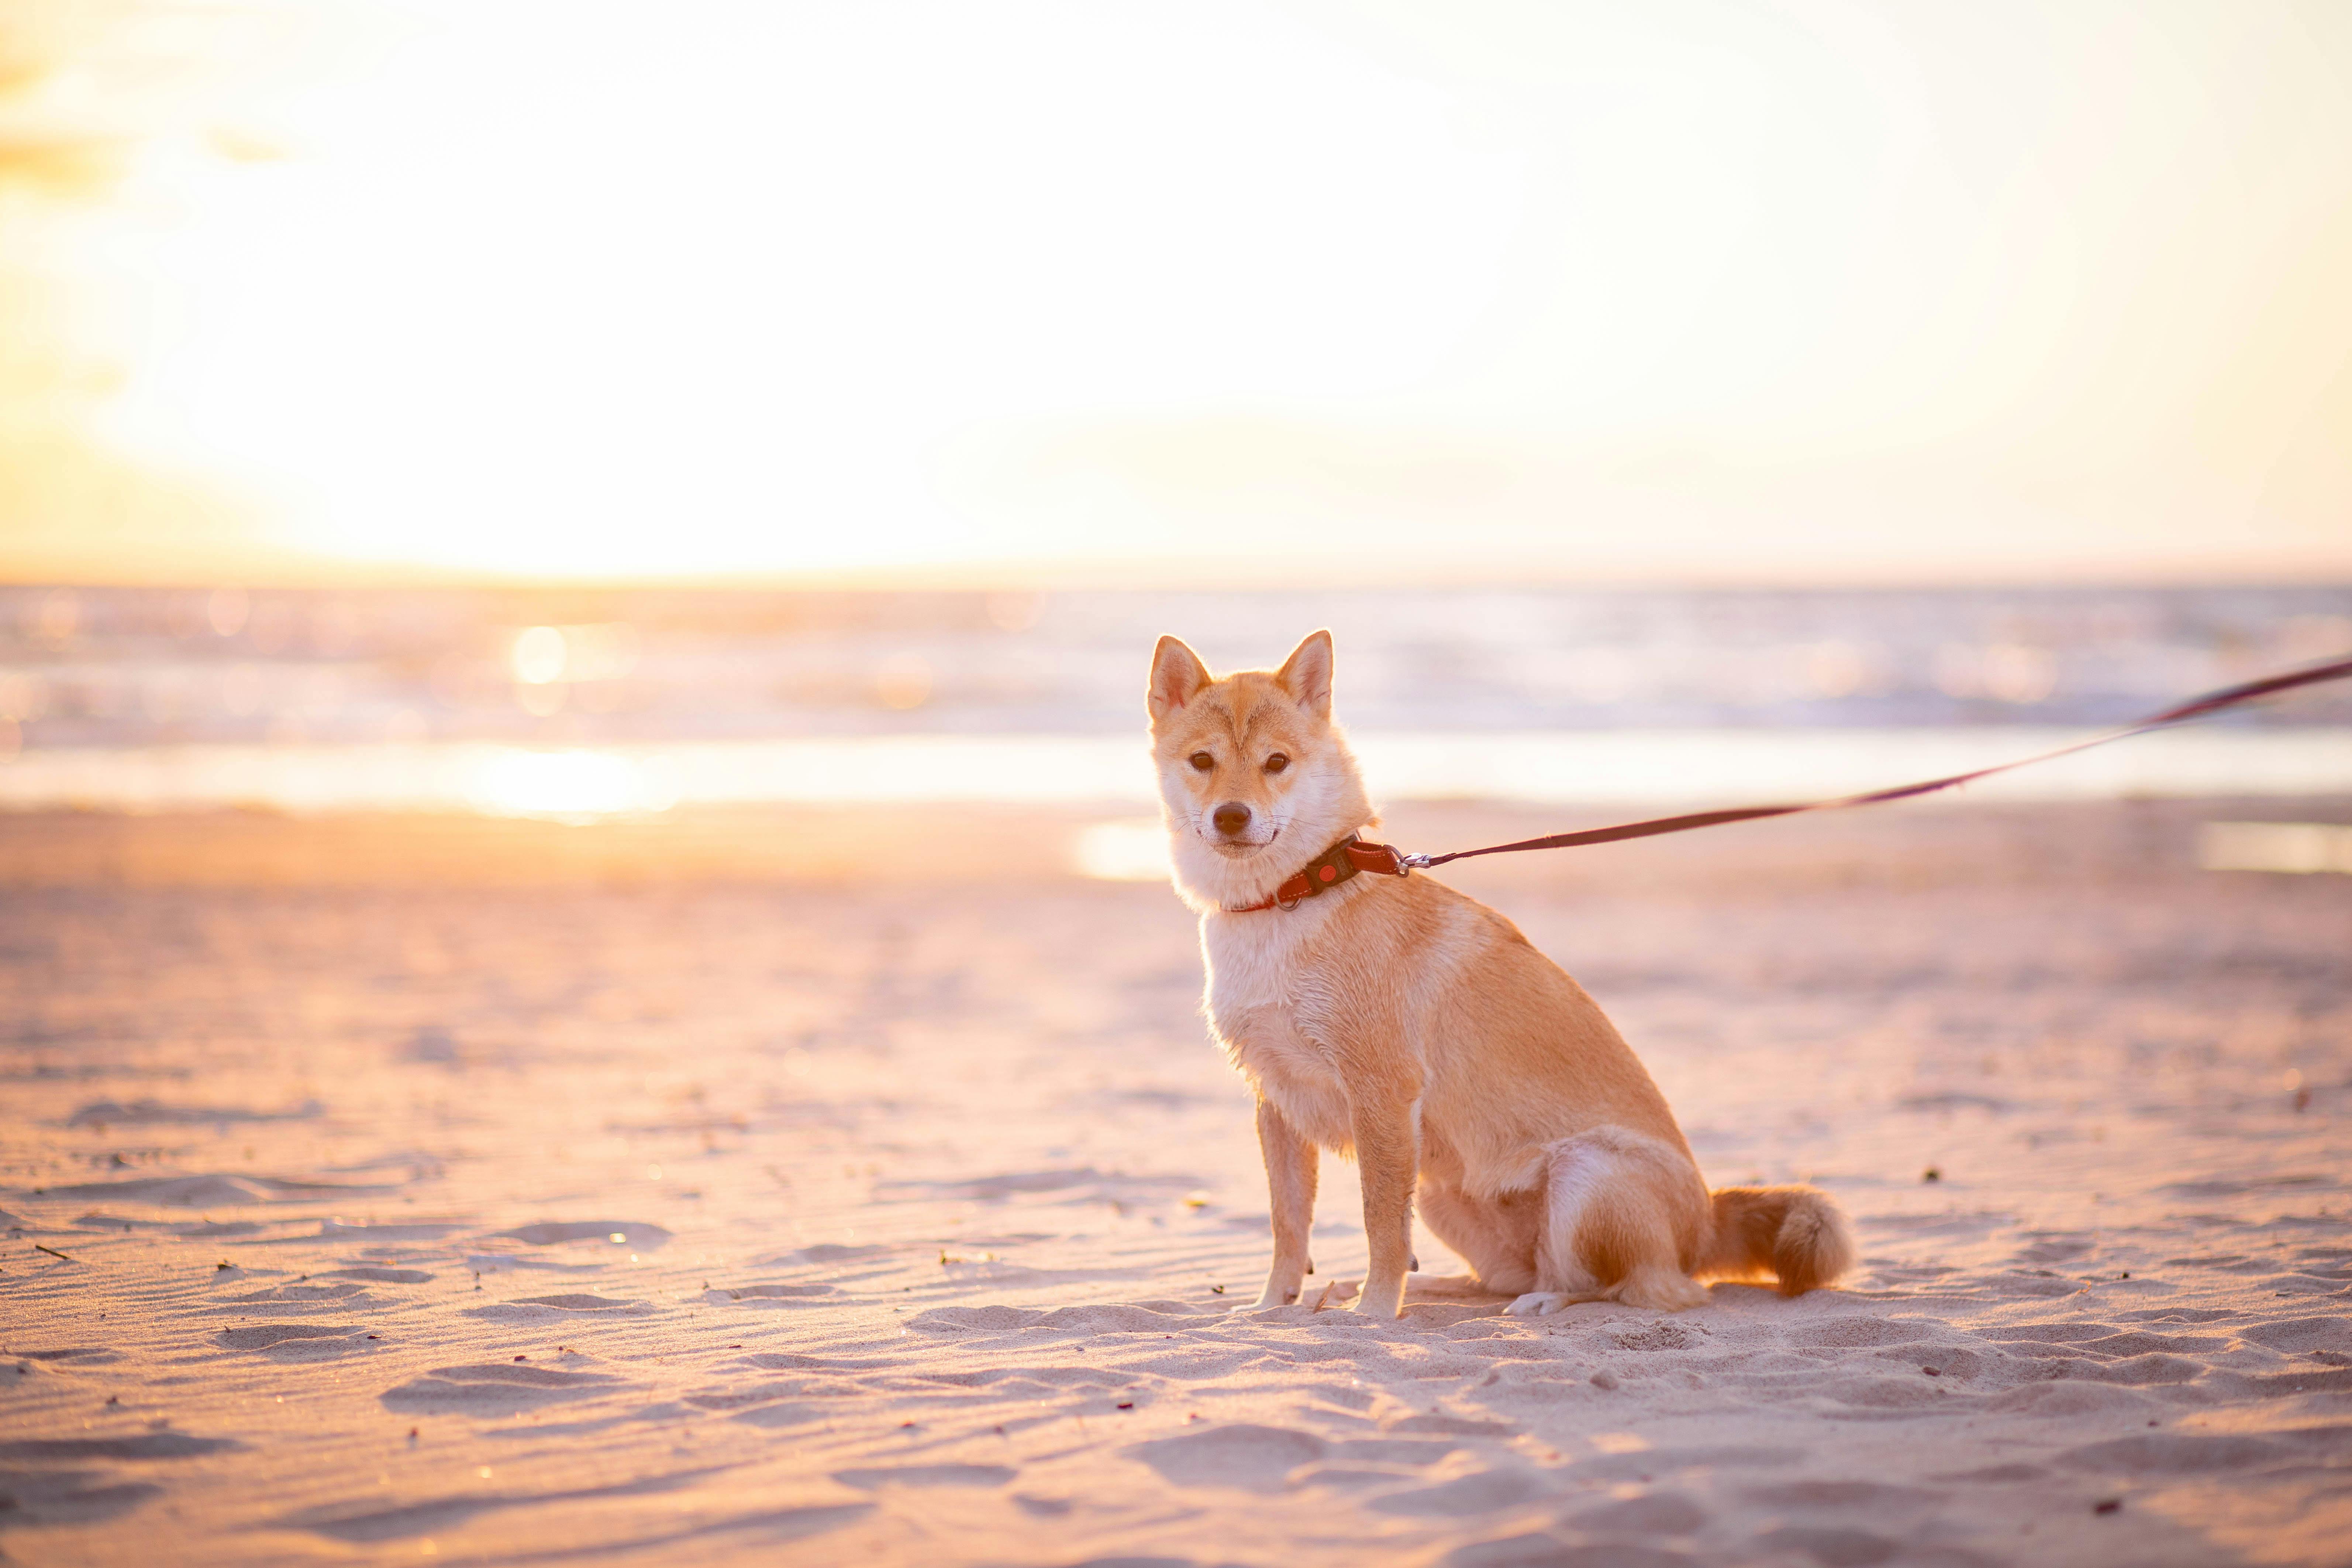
pixel 1177 676
pixel 1307 675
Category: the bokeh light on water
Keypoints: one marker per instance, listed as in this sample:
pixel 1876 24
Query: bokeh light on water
pixel 582 705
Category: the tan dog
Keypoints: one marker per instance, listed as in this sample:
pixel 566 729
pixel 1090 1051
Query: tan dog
pixel 1397 1020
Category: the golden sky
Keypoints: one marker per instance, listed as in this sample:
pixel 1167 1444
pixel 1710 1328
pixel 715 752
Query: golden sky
pixel 1212 292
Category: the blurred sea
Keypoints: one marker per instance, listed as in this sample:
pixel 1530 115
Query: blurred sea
pixel 565 701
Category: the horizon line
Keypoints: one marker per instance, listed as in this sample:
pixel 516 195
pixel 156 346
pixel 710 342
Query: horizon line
pixel 1176 575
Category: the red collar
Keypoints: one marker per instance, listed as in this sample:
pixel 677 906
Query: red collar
pixel 1328 870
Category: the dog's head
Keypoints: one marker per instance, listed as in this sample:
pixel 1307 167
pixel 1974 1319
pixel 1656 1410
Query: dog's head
pixel 1256 777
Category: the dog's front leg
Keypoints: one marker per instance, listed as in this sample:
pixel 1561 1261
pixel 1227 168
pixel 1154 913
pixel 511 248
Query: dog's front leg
pixel 1290 1163
pixel 1388 1158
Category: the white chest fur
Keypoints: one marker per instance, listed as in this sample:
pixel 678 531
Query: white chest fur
pixel 1261 989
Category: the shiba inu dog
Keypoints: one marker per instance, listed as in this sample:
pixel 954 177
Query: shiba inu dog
pixel 1392 1018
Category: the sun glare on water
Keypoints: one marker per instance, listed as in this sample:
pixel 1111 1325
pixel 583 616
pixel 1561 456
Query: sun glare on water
pixel 574 785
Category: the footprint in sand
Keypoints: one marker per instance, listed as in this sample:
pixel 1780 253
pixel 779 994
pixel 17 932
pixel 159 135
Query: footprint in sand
pixel 875 1478
pixel 2058 1333
pixel 1488 1491
pixel 1856 1333
pixel 1086 1181
pixel 1642 1464
pixel 2298 1335
pixel 2139 1344
pixel 2067 1398
pixel 2000 1475
pixel 1659 1513
pixel 1454 1427
pixel 2139 1371
pixel 438 1515
pixel 1829 1546
pixel 51 1498
pixel 431 1043
pixel 296 1342
pixel 214 1191
pixel 1876 1495
pixel 636 1234
pixel 300 1291
pixel 951 1320
pixel 1832 1543
pixel 1947 1362
pixel 143 1445
pixel 80 1355
pixel 1664 1335
pixel 338 1230
pixel 2176 1454
pixel 494 1388
pixel 2055 1247
pixel 1141 1317
pixel 825 1252
pixel 1349 1477
pixel 1876 1394
pixel 553 1309
pixel 158 1113
pixel 1554 1551
pixel 1254 1459
pixel 780 1415
pixel 1404 1451
pixel 773 1360
pixel 766 1295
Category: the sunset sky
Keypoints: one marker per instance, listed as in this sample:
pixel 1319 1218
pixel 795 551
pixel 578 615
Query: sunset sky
pixel 1217 292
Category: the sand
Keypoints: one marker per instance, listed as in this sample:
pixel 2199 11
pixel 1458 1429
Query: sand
pixel 417 1207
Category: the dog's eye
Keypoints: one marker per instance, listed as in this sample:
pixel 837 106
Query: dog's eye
pixel 1202 760
pixel 1276 762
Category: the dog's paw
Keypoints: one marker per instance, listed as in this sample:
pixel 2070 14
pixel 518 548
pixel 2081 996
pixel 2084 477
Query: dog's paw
pixel 1535 1303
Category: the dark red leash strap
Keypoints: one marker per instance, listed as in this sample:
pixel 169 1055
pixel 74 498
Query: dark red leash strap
pixel 2196 708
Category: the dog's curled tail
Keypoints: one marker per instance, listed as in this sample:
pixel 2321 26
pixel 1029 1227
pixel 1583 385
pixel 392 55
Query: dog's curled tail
pixel 1793 1235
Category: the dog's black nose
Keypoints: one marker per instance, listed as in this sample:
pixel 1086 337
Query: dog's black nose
pixel 1231 817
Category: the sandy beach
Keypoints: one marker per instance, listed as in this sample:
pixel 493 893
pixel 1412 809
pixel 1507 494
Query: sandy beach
pixel 861 1187
pixel 590 599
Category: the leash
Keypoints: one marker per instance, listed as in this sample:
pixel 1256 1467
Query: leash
pixel 1344 860
pixel 2195 707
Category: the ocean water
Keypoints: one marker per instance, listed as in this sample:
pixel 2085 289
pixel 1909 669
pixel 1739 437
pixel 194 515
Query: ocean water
pixel 582 702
